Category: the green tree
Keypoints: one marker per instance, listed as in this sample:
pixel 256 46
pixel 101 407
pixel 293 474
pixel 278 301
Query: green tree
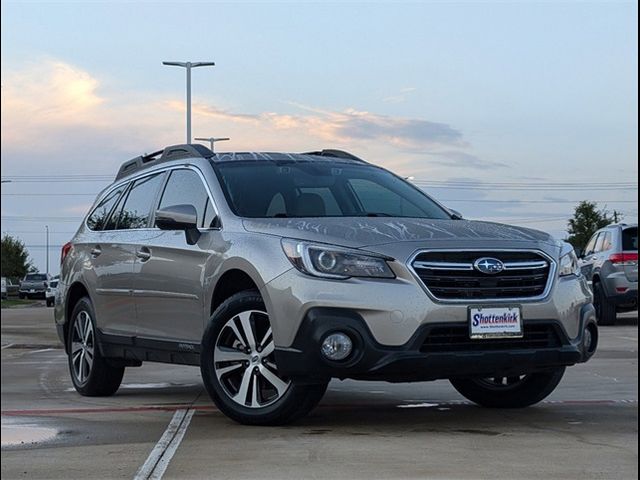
pixel 15 258
pixel 587 218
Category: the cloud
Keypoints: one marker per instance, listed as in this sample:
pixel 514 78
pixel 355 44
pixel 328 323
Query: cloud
pixel 347 126
pixel 52 108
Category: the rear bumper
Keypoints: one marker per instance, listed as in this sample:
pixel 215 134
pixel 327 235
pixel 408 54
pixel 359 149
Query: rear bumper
pixel 626 300
pixel 415 361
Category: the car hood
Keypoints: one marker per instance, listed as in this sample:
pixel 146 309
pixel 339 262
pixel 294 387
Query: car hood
pixel 366 232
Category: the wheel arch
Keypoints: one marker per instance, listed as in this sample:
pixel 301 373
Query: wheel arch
pixel 232 281
pixel 76 291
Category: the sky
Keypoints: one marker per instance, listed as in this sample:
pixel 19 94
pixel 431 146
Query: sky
pixel 504 111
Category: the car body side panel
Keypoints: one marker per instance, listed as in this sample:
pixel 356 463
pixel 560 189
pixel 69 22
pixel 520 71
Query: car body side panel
pixel 169 287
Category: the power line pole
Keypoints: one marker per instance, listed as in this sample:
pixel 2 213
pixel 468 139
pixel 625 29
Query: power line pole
pixel 211 140
pixel 188 66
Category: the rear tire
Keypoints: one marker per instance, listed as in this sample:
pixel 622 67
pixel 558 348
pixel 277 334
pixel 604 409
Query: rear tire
pixel 49 303
pixel 239 371
pixel 605 308
pixel 509 392
pixel 91 374
pixel 21 296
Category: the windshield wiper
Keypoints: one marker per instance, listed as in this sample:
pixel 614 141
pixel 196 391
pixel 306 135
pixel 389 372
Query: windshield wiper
pixel 375 214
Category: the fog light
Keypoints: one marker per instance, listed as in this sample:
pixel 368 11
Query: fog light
pixel 336 346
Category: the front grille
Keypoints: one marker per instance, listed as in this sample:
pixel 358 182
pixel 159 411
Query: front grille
pixel 456 339
pixel 450 275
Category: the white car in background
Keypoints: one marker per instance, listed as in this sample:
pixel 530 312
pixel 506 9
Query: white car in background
pixel 51 292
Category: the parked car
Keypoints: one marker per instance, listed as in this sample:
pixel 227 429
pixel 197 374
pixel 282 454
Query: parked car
pixel 610 263
pixel 276 272
pixel 3 290
pixel 12 288
pixel 51 292
pixel 34 285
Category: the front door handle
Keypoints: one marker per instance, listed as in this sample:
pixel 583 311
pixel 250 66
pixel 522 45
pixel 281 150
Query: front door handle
pixel 143 254
pixel 96 251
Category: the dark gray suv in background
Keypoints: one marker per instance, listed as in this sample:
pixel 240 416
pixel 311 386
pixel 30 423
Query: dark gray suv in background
pixel 276 272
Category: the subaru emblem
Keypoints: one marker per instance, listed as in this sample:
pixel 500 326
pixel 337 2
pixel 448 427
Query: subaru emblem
pixel 488 265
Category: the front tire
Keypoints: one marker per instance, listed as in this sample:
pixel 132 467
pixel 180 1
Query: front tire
pixel 605 308
pixel 239 370
pixel 509 392
pixel 91 374
pixel 49 302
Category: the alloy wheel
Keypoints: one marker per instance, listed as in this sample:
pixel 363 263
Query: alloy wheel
pixel 244 361
pixel 502 383
pixel 82 347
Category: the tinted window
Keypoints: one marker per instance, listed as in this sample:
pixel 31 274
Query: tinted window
pixel 630 238
pixel 137 207
pixel 98 218
pixel 319 189
pixel 185 187
pixel 115 214
pixel 54 284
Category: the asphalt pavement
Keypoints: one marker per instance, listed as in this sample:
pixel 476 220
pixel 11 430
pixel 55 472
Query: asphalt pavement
pixel 161 423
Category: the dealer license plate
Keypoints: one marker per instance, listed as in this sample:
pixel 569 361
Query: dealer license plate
pixel 495 322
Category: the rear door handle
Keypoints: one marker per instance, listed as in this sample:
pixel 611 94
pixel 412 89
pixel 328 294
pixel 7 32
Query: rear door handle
pixel 143 254
pixel 96 251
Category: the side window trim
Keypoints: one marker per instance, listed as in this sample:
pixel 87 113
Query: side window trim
pixel 127 185
pixel 156 201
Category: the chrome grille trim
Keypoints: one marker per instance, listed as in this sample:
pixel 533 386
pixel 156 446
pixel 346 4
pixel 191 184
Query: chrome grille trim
pixel 511 266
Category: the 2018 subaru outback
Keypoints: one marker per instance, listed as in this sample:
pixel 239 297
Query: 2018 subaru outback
pixel 277 272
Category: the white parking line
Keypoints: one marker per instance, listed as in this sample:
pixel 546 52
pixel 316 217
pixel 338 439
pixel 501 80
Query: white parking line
pixel 159 458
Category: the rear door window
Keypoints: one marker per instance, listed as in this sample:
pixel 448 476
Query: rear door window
pixel 630 239
pixel 606 242
pixel 599 242
pixel 589 249
pixel 136 210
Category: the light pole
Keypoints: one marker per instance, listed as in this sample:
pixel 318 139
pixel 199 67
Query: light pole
pixel 46 227
pixel 212 140
pixel 188 66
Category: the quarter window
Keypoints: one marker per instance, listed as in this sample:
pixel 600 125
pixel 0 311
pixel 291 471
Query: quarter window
pixel 185 187
pixel 98 218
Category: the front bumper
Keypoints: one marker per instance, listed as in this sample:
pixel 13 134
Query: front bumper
pixel 418 360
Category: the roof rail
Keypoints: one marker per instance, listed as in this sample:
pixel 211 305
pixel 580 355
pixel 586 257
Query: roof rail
pixel 336 154
pixel 174 152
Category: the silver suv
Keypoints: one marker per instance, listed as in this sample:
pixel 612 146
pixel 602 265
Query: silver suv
pixel 610 263
pixel 277 272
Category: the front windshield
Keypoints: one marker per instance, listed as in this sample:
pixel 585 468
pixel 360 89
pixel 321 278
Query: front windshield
pixel 319 189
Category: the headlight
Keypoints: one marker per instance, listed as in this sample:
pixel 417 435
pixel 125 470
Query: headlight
pixel 334 262
pixel 568 262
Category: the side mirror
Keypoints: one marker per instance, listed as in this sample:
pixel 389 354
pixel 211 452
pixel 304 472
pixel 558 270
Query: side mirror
pixel 456 215
pixel 179 217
